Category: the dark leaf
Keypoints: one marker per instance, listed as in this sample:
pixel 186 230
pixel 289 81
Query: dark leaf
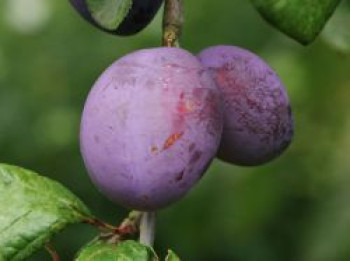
pixel 300 19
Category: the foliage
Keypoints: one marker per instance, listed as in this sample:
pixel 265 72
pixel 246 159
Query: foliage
pixel 126 251
pixel 32 209
pixel 302 20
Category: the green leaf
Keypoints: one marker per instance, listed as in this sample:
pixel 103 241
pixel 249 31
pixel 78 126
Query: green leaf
pixel 124 251
pixel 337 33
pixel 172 256
pixel 300 19
pixel 32 209
pixel 109 13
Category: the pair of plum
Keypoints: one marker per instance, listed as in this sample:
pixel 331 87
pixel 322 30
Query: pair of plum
pixel 156 118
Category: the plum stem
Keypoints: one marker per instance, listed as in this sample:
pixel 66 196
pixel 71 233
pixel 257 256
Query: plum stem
pixel 53 253
pixel 129 225
pixel 172 22
pixel 100 224
pixel 147 228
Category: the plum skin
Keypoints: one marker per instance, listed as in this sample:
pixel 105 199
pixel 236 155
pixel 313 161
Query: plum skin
pixel 140 15
pixel 258 122
pixel 151 125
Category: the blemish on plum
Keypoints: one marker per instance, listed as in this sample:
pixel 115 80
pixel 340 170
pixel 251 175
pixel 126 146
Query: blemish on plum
pixel 192 147
pixel 196 156
pixel 182 95
pixel 154 149
pixel 97 139
pixel 180 176
pixel 185 106
pixel 170 141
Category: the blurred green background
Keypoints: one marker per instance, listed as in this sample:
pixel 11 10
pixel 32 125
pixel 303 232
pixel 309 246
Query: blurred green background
pixel 295 208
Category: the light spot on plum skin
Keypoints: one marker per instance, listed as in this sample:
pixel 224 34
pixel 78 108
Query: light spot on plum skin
pixel 186 106
pixel 171 140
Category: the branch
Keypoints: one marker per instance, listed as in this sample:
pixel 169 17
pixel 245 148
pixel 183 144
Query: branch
pixel 172 22
pixel 128 226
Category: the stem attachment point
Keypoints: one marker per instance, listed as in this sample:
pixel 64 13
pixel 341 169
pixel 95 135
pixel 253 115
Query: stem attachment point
pixel 147 228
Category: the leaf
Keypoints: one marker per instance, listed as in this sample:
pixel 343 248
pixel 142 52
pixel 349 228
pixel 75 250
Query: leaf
pixel 337 33
pixel 172 256
pixel 109 14
pixel 32 209
pixel 300 19
pixel 124 251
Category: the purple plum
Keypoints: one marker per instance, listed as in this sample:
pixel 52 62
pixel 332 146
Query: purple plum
pixel 151 125
pixel 258 122
pixel 140 15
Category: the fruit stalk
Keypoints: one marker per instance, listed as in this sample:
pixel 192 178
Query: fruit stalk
pixel 147 228
pixel 53 253
pixel 172 22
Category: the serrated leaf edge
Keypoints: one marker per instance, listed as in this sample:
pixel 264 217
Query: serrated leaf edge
pixel 56 227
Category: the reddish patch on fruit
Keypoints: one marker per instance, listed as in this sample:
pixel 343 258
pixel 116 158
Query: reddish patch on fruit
pixel 171 140
pixel 209 111
pixel 185 106
pixel 222 76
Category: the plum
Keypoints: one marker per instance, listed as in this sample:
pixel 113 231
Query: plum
pixel 140 15
pixel 151 125
pixel 258 122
